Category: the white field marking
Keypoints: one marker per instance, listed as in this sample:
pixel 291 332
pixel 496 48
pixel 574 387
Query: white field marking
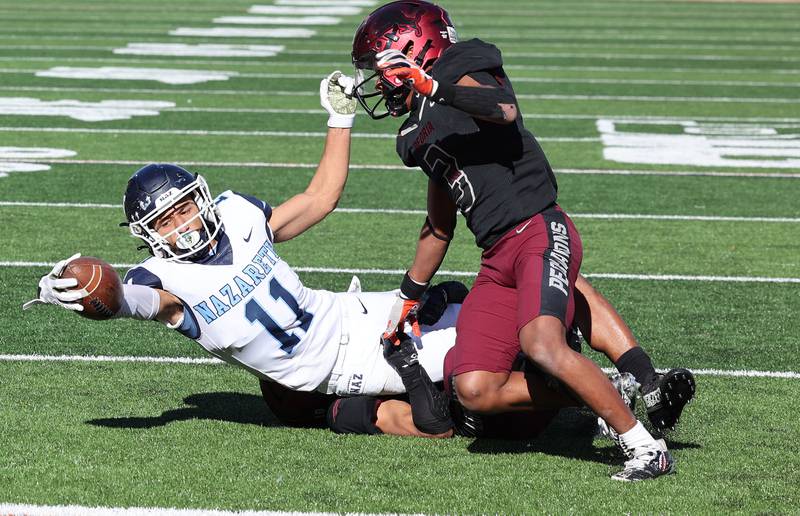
pixel 85 111
pixel 121 72
pixel 700 144
pixel 28 153
pixel 260 93
pixel 231 32
pixel 355 3
pixel 300 93
pixel 297 93
pixel 738 373
pixel 342 58
pixel 163 75
pixel 400 272
pixel 200 50
pixel 278 20
pixel 395 168
pixel 779 123
pixel 78 510
pixel 317 9
pixel 106 358
pixel 679 173
pixel 641 98
pixel 164 50
pixel 200 132
pixel 7 167
pixel 558 36
pixel 393 211
pixel 35 153
pixel 734 373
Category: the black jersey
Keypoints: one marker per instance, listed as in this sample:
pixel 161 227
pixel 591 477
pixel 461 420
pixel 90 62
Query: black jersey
pixel 496 174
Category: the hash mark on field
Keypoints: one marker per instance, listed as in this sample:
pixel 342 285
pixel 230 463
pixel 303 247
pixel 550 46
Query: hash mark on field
pixel 742 373
pixel 390 211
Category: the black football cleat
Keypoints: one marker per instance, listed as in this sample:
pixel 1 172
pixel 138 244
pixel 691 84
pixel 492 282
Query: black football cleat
pixel 666 397
pixel 647 465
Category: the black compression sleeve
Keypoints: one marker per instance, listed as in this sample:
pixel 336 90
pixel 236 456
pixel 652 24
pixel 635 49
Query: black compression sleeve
pixel 430 409
pixel 474 101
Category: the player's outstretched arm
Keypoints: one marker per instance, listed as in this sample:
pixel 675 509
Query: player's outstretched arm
pixel 137 301
pixel 325 189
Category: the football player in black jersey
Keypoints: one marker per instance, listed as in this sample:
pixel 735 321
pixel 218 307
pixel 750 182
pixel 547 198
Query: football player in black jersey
pixel 465 131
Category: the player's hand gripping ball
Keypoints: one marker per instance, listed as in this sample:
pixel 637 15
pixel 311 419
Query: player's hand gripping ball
pixel 85 285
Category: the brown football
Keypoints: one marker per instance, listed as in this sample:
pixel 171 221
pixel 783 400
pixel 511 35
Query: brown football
pixel 101 283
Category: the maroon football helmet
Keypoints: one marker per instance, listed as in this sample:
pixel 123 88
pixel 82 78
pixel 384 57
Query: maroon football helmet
pixel 418 29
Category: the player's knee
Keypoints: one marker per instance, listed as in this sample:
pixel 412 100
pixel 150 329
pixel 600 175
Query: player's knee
pixel 475 393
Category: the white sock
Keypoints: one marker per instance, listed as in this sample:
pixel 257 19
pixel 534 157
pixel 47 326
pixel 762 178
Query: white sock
pixel 637 437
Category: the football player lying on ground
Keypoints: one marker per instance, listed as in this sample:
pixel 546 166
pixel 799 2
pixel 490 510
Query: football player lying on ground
pixel 215 277
pixel 424 407
pixel 465 131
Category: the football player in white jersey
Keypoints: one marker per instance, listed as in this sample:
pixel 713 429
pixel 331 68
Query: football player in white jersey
pixel 215 277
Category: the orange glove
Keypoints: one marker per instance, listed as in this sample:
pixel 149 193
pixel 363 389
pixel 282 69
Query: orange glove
pixel 399 70
pixel 403 310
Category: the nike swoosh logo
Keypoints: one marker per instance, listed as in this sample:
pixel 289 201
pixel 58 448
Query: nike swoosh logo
pixel 362 304
pixel 247 238
pixel 408 130
pixel 520 230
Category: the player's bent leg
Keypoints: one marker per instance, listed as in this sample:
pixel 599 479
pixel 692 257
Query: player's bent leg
pixel 480 391
pixel 665 395
pixel 543 341
pixel 355 415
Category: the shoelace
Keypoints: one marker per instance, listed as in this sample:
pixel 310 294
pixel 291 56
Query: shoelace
pixel 640 461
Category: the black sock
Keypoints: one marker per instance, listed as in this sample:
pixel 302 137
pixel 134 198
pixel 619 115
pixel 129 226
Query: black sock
pixel 637 362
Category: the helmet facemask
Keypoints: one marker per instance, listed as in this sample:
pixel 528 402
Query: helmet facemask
pixel 392 97
pixel 189 244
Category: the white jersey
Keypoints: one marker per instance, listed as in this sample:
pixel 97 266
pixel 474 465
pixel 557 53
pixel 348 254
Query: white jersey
pixel 246 306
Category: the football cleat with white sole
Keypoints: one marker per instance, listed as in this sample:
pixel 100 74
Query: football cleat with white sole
pixel 646 464
pixel 627 387
pixel 666 397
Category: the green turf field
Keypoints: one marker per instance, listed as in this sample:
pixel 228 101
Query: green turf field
pixel 700 257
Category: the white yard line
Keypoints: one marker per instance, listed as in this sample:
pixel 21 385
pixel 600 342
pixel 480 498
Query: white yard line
pixel 756 122
pixel 302 93
pixel 201 132
pixel 317 76
pixel 736 373
pixel 8 509
pixel 343 60
pixel 399 272
pixel 390 211
pixel 396 168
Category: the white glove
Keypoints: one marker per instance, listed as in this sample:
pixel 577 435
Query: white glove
pixel 336 96
pixel 54 290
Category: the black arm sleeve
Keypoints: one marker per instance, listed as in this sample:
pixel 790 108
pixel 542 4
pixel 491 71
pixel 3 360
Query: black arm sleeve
pixel 430 408
pixel 475 101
